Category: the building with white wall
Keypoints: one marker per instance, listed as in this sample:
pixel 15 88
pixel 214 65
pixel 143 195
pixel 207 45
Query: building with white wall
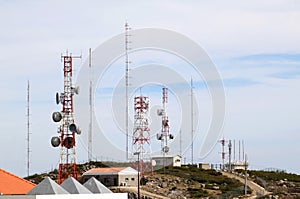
pixel 166 160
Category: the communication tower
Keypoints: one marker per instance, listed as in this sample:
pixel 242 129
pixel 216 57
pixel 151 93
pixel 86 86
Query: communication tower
pixel 127 62
pixel 229 155
pixel 223 152
pixel 165 129
pixel 28 128
pixel 141 133
pixel 91 106
pixel 67 129
pixel 192 122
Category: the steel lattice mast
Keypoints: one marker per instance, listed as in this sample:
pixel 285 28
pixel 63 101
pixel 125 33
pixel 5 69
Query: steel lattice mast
pixel 67 129
pixel 165 129
pixel 28 128
pixel 141 133
pixel 91 106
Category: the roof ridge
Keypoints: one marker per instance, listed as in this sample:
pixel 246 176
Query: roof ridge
pixel 27 181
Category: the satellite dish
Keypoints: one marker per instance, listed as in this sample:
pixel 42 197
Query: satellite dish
pixel 159 136
pixel 57 98
pixel 56 116
pixel 165 149
pixel 78 130
pixel 160 112
pixel 73 127
pixel 55 141
pixel 76 90
pixel 153 163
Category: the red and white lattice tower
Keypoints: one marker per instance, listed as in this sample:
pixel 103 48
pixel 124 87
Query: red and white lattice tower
pixel 141 133
pixel 223 152
pixel 165 129
pixel 67 129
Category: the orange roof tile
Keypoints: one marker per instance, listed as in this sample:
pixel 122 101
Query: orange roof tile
pixel 106 170
pixel 11 184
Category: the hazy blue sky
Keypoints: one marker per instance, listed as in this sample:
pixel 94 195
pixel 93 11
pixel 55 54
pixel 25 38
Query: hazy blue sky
pixel 254 44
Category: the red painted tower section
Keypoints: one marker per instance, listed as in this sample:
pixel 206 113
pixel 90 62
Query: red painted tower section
pixel 141 133
pixel 67 130
pixel 223 152
pixel 165 134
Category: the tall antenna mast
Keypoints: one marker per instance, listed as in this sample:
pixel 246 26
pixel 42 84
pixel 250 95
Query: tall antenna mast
pixel 192 122
pixel 28 130
pixel 141 133
pixel 229 152
pixel 90 135
pixel 234 150
pixel 67 129
pixel 165 129
pixel 223 153
pixel 180 143
pixel 127 28
pixel 243 150
pixel 239 150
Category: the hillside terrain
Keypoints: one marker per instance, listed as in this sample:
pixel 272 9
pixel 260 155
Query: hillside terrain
pixel 192 182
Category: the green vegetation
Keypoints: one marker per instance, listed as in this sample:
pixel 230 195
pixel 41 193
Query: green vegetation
pixel 211 179
pixel 275 175
pixel 197 193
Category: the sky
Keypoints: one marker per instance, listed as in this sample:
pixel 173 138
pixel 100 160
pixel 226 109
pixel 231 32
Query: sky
pixel 253 44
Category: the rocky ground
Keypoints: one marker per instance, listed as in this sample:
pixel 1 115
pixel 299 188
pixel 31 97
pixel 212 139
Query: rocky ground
pixel 179 188
pixel 191 182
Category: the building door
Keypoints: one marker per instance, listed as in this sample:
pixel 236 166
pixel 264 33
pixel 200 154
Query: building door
pixel 115 182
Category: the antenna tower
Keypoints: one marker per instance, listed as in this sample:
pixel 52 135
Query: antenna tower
pixel 90 135
pixel 141 133
pixel 28 129
pixel 223 152
pixel 127 62
pixel 239 150
pixel 234 151
pixel 67 129
pixel 180 143
pixel 165 129
pixel 192 122
pixel 229 151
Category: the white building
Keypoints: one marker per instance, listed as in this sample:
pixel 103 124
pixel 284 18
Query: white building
pixel 113 176
pixel 166 160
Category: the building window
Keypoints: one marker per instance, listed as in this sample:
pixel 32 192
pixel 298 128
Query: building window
pixel 106 180
pixel 126 179
pixel 132 179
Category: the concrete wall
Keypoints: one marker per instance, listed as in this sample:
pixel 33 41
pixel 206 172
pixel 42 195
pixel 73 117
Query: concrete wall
pixel 204 166
pixel 17 197
pixel 107 180
pixel 130 180
pixel 70 196
pixel 169 161
pixel 114 180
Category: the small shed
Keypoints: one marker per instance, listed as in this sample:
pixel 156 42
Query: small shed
pixel 204 166
pixel 166 160
pixel 115 176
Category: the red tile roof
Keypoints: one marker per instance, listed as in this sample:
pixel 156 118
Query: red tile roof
pixel 11 184
pixel 106 170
